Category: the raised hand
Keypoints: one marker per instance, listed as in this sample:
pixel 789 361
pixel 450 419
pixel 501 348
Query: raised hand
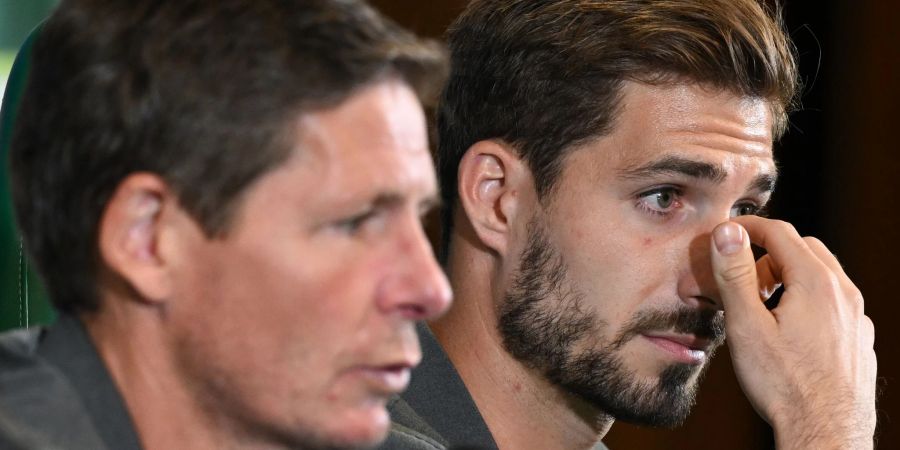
pixel 808 365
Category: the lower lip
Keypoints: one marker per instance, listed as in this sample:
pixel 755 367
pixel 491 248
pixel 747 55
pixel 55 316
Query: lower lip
pixel 389 380
pixel 679 352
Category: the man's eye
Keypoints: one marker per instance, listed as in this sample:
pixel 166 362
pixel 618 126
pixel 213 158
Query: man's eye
pixel 352 225
pixel 660 201
pixel 745 209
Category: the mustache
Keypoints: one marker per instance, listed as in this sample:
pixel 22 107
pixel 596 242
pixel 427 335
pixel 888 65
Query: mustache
pixel 703 323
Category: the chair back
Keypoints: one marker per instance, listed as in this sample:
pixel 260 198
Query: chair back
pixel 23 301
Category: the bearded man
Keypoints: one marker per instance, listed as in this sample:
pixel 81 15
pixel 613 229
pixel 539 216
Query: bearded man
pixel 602 163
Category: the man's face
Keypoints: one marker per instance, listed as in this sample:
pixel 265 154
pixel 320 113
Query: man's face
pixel 298 325
pixel 613 298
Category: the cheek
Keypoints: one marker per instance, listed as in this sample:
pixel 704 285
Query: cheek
pixel 619 270
pixel 276 334
pixel 309 308
pixel 337 300
pixel 654 269
pixel 342 303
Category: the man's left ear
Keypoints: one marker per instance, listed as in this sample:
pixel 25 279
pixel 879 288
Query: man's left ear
pixel 493 185
pixel 130 231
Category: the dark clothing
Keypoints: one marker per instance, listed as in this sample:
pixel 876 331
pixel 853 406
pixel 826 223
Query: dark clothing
pixel 55 392
pixel 436 412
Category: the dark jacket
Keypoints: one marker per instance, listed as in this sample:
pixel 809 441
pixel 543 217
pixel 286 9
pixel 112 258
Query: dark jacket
pixel 55 392
pixel 436 412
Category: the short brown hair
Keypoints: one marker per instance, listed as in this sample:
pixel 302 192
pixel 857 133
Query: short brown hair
pixel 200 92
pixel 545 75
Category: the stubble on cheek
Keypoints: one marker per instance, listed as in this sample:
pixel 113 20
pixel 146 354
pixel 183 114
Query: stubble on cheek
pixel 547 325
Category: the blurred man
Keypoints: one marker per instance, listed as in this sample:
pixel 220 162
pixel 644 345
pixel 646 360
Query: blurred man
pixel 224 199
pixel 602 163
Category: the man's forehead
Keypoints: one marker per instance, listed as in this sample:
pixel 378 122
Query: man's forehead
pixel 372 148
pixel 686 130
pixel 384 120
pixel 700 110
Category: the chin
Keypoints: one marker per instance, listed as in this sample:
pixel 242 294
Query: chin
pixel 361 429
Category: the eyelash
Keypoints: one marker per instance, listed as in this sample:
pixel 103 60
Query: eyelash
pixel 676 203
pixel 642 200
pixel 755 210
pixel 352 225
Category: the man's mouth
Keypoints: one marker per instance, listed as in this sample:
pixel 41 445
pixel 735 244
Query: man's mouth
pixel 684 348
pixel 388 376
pixel 390 379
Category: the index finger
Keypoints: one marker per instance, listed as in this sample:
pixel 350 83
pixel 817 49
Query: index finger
pixel 791 258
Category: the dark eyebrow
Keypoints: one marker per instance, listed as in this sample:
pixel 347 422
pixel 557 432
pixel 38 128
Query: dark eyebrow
pixel 387 200
pixel 763 183
pixel 677 165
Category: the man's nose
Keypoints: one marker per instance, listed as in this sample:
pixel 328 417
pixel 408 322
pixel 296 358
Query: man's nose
pixel 415 287
pixel 697 284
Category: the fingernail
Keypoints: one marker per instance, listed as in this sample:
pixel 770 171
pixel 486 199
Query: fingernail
pixel 729 238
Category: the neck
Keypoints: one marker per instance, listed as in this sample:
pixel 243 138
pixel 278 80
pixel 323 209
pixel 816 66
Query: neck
pixel 546 416
pixel 134 345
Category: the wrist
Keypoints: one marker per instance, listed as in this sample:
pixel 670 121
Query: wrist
pixel 805 434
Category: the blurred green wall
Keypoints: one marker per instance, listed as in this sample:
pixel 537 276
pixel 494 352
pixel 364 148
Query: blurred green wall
pixel 17 19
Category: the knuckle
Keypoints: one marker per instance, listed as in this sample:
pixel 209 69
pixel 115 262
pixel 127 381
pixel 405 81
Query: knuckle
pixel 856 297
pixel 830 286
pixel 868 328
pixel 737 273
pixel 813 241
pixel 786 228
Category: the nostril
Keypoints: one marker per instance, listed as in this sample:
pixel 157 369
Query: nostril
pixel 413 311
pixel 706 302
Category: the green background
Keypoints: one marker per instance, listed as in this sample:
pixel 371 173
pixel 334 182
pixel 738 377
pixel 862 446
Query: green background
pixel 17 283
pixel 17 18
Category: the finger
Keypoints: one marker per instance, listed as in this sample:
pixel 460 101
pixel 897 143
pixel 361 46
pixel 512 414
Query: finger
pixel 849 289
pixel 867 333
pixel 768 279
pixel 734 270
pixel 792 260
pixel 824 255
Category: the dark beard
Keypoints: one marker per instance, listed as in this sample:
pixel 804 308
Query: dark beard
pixel 543 319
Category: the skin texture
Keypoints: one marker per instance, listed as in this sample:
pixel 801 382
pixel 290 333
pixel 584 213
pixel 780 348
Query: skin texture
pixel 631 220
pixel 297 326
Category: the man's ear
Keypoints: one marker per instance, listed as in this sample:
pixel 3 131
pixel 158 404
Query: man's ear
pixel 491 182
pixel 130 230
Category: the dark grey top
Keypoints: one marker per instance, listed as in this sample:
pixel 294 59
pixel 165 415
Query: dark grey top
pixel 55 392
pixel 436 412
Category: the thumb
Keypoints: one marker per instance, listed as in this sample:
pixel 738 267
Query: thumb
pixel 735 272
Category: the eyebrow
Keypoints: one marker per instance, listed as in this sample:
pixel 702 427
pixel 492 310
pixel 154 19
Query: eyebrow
pixel 387 200
pixel 677 165
pixel 764 183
